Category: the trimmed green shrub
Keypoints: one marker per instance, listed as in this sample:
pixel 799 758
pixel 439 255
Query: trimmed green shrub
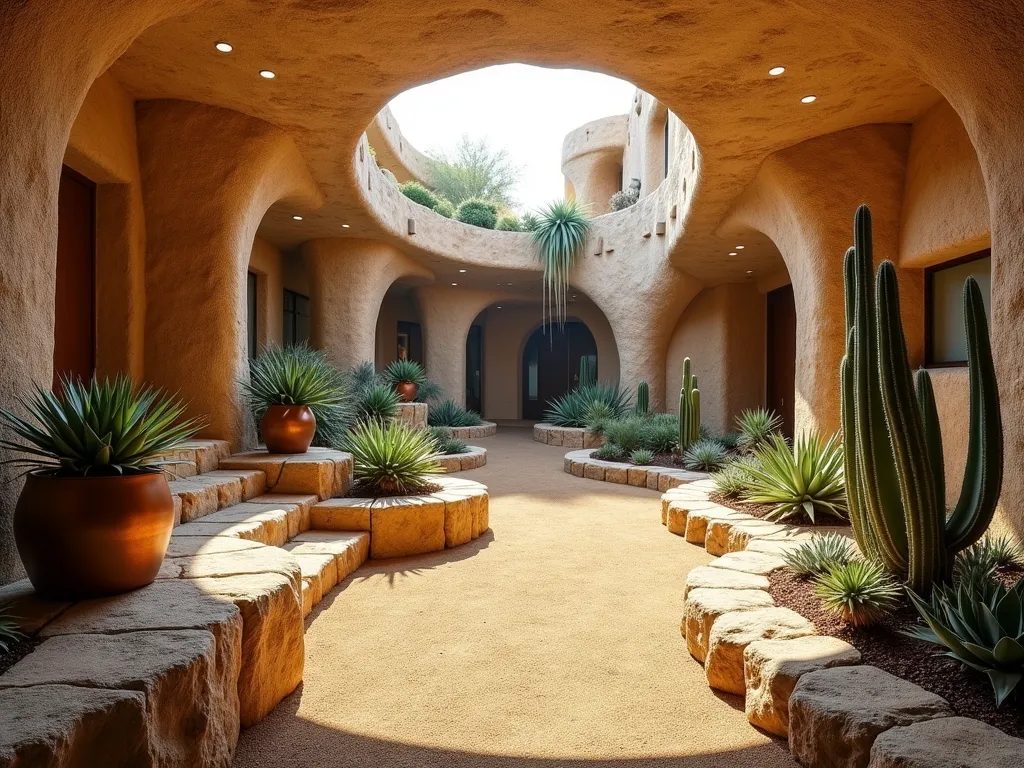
pixel 509 223
pixel 478 213
pixel 390 459
pixel 820 554
pixel 642 457
pixel 704 455
pixel 860 591
pixel 444 208
pixel 418 194
pixel 809 479
pixel 448 413
pixel 529 223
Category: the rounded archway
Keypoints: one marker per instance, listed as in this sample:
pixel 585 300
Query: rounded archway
pixel 551 364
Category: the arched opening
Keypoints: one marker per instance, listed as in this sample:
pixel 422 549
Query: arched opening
pixel 551 364
pixel 399 334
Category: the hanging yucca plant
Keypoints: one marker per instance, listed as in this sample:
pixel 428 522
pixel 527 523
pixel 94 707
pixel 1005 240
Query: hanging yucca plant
pixel 561 237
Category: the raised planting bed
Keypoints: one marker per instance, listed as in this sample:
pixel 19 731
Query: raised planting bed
pixel 570 437
pixel 474 458
pixel 483 429
pixel 411 525
pixel 413 414
pixel 581 464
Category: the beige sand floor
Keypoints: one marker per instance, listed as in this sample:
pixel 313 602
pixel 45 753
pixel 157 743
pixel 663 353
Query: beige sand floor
pixel 551 641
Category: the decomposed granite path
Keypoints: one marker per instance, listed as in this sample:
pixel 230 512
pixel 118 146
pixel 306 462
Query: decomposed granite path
pixel 553 640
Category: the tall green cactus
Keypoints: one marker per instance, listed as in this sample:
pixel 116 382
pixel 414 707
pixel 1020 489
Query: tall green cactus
pixel 893 446
pixel 643 398
pixel 689 408
pixel 588 375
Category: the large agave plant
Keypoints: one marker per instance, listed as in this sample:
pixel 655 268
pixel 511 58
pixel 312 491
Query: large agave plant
pixel 390 459
pixel 981 624
pixel 808 479
pixel 576 408
pixel 405 371
pixel 99 428
pixel 377 402
pixel 560 236
pixel 756 426
pixel 448 413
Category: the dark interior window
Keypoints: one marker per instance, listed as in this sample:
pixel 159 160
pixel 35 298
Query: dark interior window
pixel 296 318
pixel 945 338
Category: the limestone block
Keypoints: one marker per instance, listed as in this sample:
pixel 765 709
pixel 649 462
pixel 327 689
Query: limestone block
pixel 458 517
pixel 653 479
pixel 567 465
pixel 319 572
pixel 207 454
pixel 579 468
pixel 406 525
pixel 481 514
pixel 227 488
pixel 771 547
pixel 950 742
pixel 733 632
pixel 615 475
pixel 350 550
pixel 177 509
pixel 771 669
pixel 637 477
pixel 297 505
pixel 676 518
pixel 556 437
pixel 749 562
pixel 703 607
pixel 667 480
pixel 190 688
pixel 66 725
pixel 704 577
pixel 742 533
pixel 342 515
pixel 254 482
pixel 592 440
pixel 836 714
pixel 196 499
pixel 289 514
pixel 449 463
pixel 540 434
pixel 250 561
pixel 311 595
pixel 593 471
pixel 268 528
pixel 413 414
pixel 273 650
pixel 30 611
pixel 699 519
pixel 187 546
pixel 321 472
pixel 573 438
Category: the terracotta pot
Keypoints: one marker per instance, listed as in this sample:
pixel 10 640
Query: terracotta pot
pixel 82 537
pixel 407 391
pixel 288 428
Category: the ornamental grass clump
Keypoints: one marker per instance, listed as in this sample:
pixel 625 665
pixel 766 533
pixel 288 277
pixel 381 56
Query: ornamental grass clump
pixel 733 480
pixel 806 480
pixel 99 428
pixel 390 459
pixel 642 457
pixel 610 452
pixel 560 237
pixel 377 402
pixel 9 631
pixel 404 372
pixel 446 443
pixel 860 591
pixel 704 455
pixel 448 413
pixel 819 555
pixel 573 409
pixel 756 427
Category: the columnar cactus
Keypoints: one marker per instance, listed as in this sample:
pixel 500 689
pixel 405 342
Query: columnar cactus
pixel 893 446
pixel 588 375
pixel 643 398
pixel 689 408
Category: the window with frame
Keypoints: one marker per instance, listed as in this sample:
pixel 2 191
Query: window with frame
pixel 945 337
pixel 296 318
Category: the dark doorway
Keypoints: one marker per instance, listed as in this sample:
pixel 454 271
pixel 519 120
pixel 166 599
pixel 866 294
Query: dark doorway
pixel 252 339
pixel 74 326
pixel 295 318
pixel 410 342
pixel 475 369
pixel 551 365
pixel 781 355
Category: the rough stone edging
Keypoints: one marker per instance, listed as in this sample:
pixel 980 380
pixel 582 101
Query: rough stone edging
pixel 483 429
pixel 570 437
pixel 474 458
pixel 580 464
pixel 769 646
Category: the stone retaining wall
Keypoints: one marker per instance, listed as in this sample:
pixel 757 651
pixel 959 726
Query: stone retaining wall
pixel 474 458
pixel 580 464
pixel 570 437
pixel 484 429
pixel 413 414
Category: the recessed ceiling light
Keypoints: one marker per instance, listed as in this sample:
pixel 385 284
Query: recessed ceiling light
pixel 732 253
pixel 345 226
pixel 462 270
pixel 508 283
pixel 740 247
pixel 266 74
pixel 750 271
pixel 776 71
pixel 223 47
pixel 499 306
pixel 808 99
pixel 297 218
pixel 454 283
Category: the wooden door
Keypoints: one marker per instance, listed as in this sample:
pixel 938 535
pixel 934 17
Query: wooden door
pixel 781 355
pixel 74 328
pixel 551 365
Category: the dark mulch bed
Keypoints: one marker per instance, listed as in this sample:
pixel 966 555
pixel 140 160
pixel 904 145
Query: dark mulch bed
pixel 16 651
pixel 669 460
pixel 882 645
pixel 762 510
pixel 360 491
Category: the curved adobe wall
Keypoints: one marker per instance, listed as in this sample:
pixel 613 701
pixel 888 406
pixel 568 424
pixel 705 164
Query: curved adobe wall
pixel 394 152
pixel 592 161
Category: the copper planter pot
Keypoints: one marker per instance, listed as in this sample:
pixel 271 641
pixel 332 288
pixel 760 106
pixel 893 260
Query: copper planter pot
pixel 407 391
pixel 82 537
pixel 288 428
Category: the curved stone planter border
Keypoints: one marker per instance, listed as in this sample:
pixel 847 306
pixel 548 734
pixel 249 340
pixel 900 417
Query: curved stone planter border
pixel 485 429
pixel 474 458
pixel 809 688
pixel 570 437
pixel 413 414
pixel 580 464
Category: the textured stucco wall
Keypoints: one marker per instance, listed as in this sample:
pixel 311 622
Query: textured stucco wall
pixel 103 148
pixel 394 152
pixel 506 332
pixel 268 264
pixel 592 161
pixel 722 332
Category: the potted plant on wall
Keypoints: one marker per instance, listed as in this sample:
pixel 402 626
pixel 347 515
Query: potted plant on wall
pixel 95 515
pixel 407 376
pixel 292 390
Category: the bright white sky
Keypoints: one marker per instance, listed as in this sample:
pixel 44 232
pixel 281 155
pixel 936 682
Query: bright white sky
pixel 527 110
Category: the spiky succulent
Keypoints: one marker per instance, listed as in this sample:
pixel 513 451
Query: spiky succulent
pixel 756 426
pixel 9 631
pixel 820 554
pixel 704 455
pixel 294 375
pixel 404 372
pixel 574 408
pixel 806 480
pixel 610 452
pixel 733 479
pixel 377 402
pixel 861 591
pixel 390 459
pixel 642 457
pixel 99 428
pixel 980 624
pixel 447 444
pixel 560 237
pixel 448 413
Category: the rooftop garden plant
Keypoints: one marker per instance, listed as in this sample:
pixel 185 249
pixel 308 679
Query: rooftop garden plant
pixel 448 413
pixel 444 208
pixel 509 222
pixel 529 222
pixel 893 444
pixel 390 459
pixel 478 213
pixel 807 480
pixel 474 170
pixel 419 194
pixel 560 238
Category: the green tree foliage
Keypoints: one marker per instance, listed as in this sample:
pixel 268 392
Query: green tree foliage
pixel 474 170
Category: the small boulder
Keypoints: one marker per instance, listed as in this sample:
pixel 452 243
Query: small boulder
pixel 733 632
pixel 703 607
pixel 952 742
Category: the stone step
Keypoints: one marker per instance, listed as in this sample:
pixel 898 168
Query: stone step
pixel 202 495
pixel 271 519
pixel 197 457
pixel 326 558
pixel 322 472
